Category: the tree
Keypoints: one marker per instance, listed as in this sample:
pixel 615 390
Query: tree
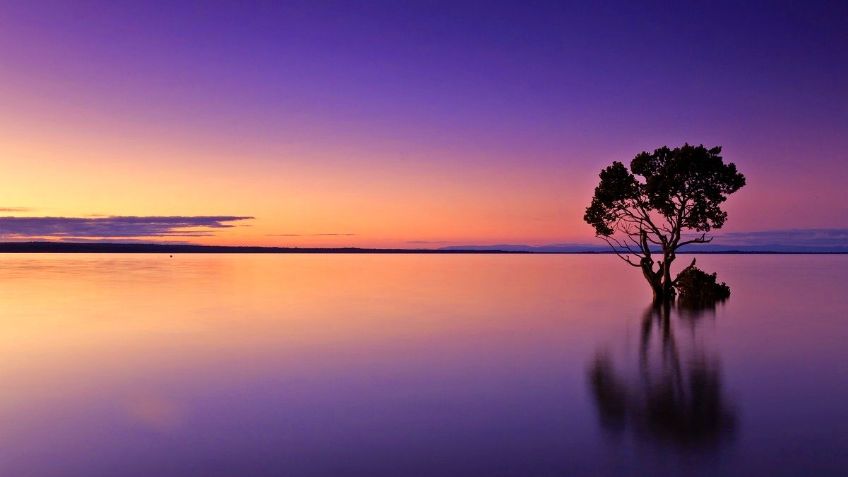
pixel 667 199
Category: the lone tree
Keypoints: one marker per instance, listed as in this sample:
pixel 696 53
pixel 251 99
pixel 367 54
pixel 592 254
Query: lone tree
pixel 667 199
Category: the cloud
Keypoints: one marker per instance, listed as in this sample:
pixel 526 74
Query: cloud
pixel 311 235
pixel 15 209
pixel 114 227
pixel 833 237
pixel 831 240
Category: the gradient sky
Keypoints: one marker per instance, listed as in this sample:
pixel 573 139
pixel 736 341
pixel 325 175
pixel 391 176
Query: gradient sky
pixel 411 123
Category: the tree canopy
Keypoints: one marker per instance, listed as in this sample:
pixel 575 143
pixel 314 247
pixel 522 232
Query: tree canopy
pixel 665 200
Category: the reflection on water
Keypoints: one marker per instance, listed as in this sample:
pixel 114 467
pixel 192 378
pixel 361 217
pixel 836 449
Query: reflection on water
pixel 673 391
pixel 410 365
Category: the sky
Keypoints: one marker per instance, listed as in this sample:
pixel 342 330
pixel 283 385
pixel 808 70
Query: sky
pixel 405 124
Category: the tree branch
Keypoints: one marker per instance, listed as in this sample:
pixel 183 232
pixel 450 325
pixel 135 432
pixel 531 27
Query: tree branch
pixel 691 265
pixel 625 257
pixel 702 239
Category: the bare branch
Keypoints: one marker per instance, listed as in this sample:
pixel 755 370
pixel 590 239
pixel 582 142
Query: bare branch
pixel 690 266
pixel 702 239
pixel 624 257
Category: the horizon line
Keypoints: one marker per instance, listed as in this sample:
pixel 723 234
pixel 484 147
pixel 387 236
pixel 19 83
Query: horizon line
pixel 152 247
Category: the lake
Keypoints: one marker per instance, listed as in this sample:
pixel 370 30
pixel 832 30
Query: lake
pixel 417 365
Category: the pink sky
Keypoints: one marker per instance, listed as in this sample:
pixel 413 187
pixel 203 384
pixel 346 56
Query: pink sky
pixel 386 126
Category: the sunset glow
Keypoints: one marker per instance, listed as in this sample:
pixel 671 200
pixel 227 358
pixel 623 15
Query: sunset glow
pixel 392 125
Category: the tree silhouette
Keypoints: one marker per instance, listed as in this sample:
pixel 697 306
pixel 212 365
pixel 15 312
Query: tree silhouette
pixel 667 199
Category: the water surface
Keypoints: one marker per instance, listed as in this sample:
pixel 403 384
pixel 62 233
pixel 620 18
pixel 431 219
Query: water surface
pixel 414 365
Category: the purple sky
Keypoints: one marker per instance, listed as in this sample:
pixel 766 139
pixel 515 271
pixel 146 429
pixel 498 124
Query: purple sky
pixel 493 116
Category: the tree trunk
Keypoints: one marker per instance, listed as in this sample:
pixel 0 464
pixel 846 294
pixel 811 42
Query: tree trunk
pixel 667 281
pixel 655 280
pixel 660 281
pixel 660 294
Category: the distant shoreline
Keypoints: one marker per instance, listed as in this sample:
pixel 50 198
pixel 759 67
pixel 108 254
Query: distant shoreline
pixel 75 247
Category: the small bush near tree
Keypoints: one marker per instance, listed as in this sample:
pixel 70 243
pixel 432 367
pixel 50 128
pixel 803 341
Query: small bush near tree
pixel 697 288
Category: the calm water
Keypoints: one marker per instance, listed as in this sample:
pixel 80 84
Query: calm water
pixel 411 365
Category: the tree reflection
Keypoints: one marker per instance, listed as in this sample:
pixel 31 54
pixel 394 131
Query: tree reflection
pixel 671 395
